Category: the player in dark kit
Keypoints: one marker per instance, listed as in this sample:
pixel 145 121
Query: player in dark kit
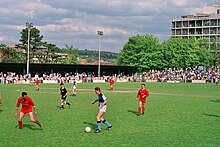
pixel 27 105
pixel 74 87
pixel 63 93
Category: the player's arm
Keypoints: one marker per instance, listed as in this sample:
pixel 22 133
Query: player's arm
pixel 95 101
pixel 34 107
pixel 0 95
pixel 16 109
pixel 35 110
pixel 137 95
pixel 146 94
pixel 16 112
pixel 65 93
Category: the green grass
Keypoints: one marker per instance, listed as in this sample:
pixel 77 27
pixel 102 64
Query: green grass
pixel 176 115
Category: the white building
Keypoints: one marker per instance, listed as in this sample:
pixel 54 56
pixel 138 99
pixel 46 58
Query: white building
pixel 199 25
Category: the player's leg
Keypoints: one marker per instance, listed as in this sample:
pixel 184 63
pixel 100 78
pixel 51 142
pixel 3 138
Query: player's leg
pixel 98 118
pixel 31 116
pixel 72 91
pixel 143 107
pixel 75 91
pixel 21 116
pixel 111 87
pixel 139 108
pixel 62 104
pixel 109 126
pixel 103 109
pixel 66 103
pixel 0 97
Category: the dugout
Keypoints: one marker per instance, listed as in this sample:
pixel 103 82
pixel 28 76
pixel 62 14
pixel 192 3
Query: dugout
pixel 20 68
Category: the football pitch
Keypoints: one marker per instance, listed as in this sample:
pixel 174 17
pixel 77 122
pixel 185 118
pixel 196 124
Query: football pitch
pixel 182 114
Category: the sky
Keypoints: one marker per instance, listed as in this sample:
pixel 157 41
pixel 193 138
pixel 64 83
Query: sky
pixel 76 22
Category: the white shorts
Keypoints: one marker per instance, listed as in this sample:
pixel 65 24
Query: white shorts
pixel 103 109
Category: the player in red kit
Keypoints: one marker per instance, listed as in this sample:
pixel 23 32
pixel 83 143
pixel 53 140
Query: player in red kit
pixel 27 105
pixel 141 96
pixel 0 96
pixel 112 82
pixel 37 82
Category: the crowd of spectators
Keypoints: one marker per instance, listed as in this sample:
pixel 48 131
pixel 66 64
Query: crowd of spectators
pixel 207 74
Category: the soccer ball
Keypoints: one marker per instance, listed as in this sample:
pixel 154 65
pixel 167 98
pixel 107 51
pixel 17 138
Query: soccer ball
pixel 87 129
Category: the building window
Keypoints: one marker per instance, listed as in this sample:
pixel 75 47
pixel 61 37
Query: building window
pixel 192 24
pixel 185 24
pixel 178 32
pixel 198 23
pixel 206 23
pixel 198 31
pixel 185 32
pixel 173 24
pixel 192 31
pixel 214 22
pixel 178 24
pixel 213 31
pixel 206 31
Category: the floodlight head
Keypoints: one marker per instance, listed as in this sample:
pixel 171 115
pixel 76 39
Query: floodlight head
pixel 100 33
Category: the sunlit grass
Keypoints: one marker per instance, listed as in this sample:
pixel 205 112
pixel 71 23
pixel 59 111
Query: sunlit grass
pixel 176 115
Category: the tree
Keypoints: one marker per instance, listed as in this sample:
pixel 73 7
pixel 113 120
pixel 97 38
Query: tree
pixel 146 52
pixel 11 56
pixel 185 52
pixel 35 41
pixel 35 38
pixel 215 51
pixel 141 50
pixel 72 57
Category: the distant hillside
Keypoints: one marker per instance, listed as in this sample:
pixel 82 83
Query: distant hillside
pixel 91 56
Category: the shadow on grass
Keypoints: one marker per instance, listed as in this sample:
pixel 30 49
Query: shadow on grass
pixel 132 111
pixel 216 101
pixel 1 111
pixel 92 125
pixel 213 115
pixel 30 126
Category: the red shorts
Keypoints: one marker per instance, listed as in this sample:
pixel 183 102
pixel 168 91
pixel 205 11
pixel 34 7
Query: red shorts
pixel 26 111
pixel 142 100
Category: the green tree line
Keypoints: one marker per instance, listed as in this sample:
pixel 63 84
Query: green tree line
pixel 147 52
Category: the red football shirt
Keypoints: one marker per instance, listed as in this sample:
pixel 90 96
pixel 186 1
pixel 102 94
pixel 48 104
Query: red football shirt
pixel 37 82
pixel 112 82
pixel 26 104
pixel 142 94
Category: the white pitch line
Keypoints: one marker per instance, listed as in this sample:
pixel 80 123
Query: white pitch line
pixel 120 91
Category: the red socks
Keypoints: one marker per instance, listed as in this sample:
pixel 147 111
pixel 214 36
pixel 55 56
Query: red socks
pixel 36 121
pixel 20 124
pixel 143 109
pixel 139 109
